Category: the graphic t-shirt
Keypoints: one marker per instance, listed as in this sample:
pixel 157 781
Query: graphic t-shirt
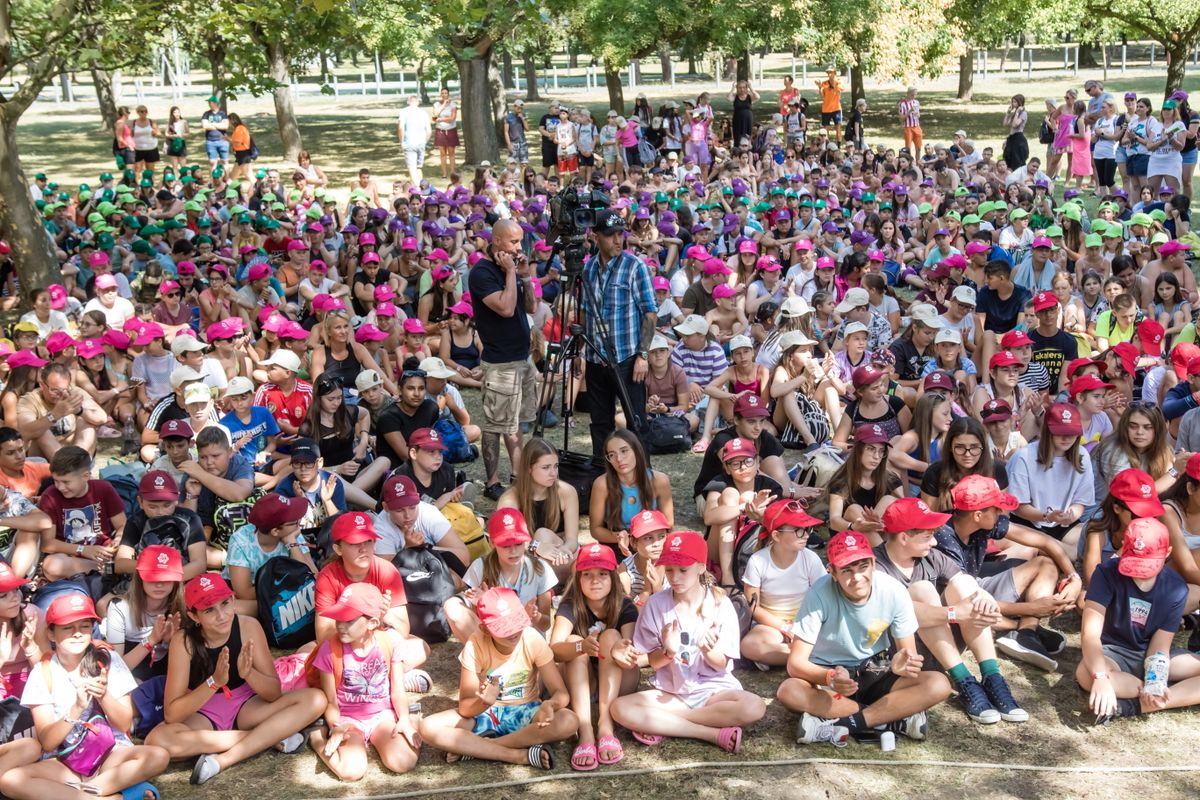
pixel 846 634
pixel 365 689
pixel 517 672
pixel 83 520
pixel 1132 616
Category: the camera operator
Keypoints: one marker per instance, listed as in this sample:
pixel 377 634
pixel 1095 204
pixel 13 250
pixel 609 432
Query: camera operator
pixel 626 297
pixel 502 295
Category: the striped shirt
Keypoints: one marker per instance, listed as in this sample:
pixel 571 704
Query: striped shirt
pixel 1035 377
pixel 625 295
pixel 700 366
pixel 910 110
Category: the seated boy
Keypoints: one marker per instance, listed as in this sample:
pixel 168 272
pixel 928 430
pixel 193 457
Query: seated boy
pixel 218 487
pixel 274 530
pixel 159 519
pixel 88 517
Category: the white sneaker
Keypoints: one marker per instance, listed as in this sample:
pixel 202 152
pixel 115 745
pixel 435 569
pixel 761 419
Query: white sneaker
pixel 812 730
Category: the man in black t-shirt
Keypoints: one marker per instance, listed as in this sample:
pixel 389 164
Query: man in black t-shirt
pixel 943 596
pixel 548 127
pixel 1053 347
pixel 998 307
pixel 749 418
pixel 397 422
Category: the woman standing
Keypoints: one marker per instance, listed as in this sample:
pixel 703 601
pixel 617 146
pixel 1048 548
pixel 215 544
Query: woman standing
pixel 1016 146
pixel 1060 119
pixel 1108 131
pixel 177 131
pixel 1166 158
pixel 1189 153
pixel 123 139
pixel 145 140
pixel 1081 145
pixel 445 136
pixel 743 97
pixel 1139 132
pixel 241 145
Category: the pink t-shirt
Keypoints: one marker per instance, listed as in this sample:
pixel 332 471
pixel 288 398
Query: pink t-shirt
pixel 627 136
pixel 365 690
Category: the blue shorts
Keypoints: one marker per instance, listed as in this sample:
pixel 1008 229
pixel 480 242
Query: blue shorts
pixel 217 150
pixel 503 720
pixel 1190 156
pixel 1122 155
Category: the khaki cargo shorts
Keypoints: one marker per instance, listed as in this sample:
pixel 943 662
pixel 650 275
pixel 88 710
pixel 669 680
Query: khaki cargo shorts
pixel 510 396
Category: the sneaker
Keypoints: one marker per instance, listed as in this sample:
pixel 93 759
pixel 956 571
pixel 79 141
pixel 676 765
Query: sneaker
pixel 493 492
pixel 915 727
pixel 1002 699
pixel 417 681
pixel 1126 707
pixel 1025 646
pixel 291 744
pixel 1053 641
pixel 761 667
pixel 205 770
pixel 975 701
pixel 470 492
pixel 108 432
pixel 812 729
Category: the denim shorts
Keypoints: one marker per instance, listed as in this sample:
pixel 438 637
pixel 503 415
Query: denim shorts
pixel 1190 156
pixel 217 150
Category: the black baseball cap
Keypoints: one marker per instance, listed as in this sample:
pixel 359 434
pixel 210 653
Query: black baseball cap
pixel 609 221
pixel 306 451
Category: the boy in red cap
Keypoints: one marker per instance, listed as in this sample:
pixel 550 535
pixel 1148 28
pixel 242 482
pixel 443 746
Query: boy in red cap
pixel 854 646
pixel 1131 615
pixel 354 540
pixel 407 521
pixel 506 668
pixel 1034 376
pixel 1053 347
pixel 944 596
pixel 274 530
pixel 159 519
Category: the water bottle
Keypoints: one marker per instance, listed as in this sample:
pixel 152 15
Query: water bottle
pixel 1157 665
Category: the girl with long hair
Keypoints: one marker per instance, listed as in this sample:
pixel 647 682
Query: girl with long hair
pixel 627 487
pixel 1053 478
pixel 551 505
pixel 343 434
pixel 799 378
pixel 141 624
pixel 1140 440
pixel 460 347
pixel 966 452
pixel 863 487
pixel 922 444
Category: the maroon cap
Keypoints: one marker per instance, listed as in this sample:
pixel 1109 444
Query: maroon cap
pixel 158 485
pixel 866 375
pixel 400 492
pixel 274 510
pixel 870 434
pixel 995 411
pixel 1062 419
pixel 738 448
pixel 426 439
pixel 750 405
pixel 175 428
pixel 938 381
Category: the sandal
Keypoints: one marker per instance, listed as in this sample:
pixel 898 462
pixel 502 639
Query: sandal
pixel 700 447
pixel 580 757
pixel 417 681
pixel 648 739
pixel 609 744
pixel 454 758
pixel 730 739
pixel 138 792
pixel 535 754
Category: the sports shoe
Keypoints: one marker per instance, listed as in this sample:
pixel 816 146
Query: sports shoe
pixel 493 492
pixel 1053 641
pixel 915 727
pixel 812 729
pixel 291 744
pixel 976 702
pixel 205 770
pixel 1002 699
pixel 1126 707
pixel 417 681
pixel 1024 645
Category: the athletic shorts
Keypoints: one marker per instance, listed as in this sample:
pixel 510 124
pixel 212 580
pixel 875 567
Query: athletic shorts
pixel 520 152
pixel 874 678
pixel 831 118
pixel 1131 661
pixel 568 163
pixel 223 711
pixel 503 720
pixel 1000 585
pixel 149 156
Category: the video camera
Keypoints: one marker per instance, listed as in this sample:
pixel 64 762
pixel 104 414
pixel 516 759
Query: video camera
pixel 572 212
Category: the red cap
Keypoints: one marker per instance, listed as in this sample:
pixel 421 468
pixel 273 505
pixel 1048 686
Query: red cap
pixel 912 514
pixel 1136 489
pixel 870 434
pixel 1086 383
pixel 356 600
pixel 1080 363
pixel 646 521
pixel 938 381
pixel 1144 549
pixel 354 528
pixel 866 375
pixel 1015 339
pixel 1062 419
pixel 9 580
pixel 1193 467
pixel 70 608
pixel 400 492
pixel 501 612
pixel 682 549
pixel 507 527
pixel 977 492
pixel 995 411
pixel 738 448
pixel 1128 355
pixel 175 428
pixel 787 512
pixel 158 485
pixel 848 547
pixel 160 563
pixel 596 556
pixel 1044 300
pixel 1181 356
pixel 1004 358
pixel 426 439
pixel 1150 336
pixel 750 405
pixel 205 591
pixel 274 510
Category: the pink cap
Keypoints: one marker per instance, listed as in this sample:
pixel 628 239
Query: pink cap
pixel 369 333
pixel 105 282
pixel 258 272
pixel 438 254
pixel 747 246
pixel 408 243
pixel 149 332
pixel 723 290
pixel 59 341
pixel 58 296
pixel 414 325
pixel 385 309
pixel 661 284
pixel 98 259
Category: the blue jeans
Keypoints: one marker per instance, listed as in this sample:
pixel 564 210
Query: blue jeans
pixel 217 150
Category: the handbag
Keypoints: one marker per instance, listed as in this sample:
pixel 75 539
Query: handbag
pixel 88 743
pixel 1045 132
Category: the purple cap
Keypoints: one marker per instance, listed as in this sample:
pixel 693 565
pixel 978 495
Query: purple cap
pixel 1179 95
pixel 830 227
pixel 1131 95
pixel 941 232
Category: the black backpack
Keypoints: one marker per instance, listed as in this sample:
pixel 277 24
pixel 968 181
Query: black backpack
pixel 16 721
pixel 667 433
pixel 287 602
pixel 580 471
pixel 428 583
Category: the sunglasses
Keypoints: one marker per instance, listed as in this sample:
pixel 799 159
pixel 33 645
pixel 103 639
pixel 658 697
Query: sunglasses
pixel 326 385
pixel 413 373
pixel 174 294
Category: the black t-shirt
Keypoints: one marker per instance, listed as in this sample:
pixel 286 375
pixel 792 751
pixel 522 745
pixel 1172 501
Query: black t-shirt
pixel 505 339
pixel 381 278
pixel 441 482
pixel 1054 352
pixel 628 613
pixel 179 530
pixel 711 466
pixel 549 144
pixel 910 364
pixel 933 477
pixel 393 419
pixel 1001 315
pixel 937 568
pixel 761 482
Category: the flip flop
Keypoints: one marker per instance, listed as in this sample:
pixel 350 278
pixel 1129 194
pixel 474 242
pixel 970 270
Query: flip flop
pixel 580 754
pixel 730 739
pixel 138 792
pixel 609 744
pixel 700 447
pixel 534 755
pixel 454 758
pixel 648 739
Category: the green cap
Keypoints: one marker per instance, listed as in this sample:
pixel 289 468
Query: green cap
pixel 278 207
pixel 1017 213
pixel 214 99
pixel 868 197
pixel 727 191
pixel 95 216
pixel 1093 240
pixel 1160 238
pixel 806 203
pixel 106 208
pixel 760 207
pixel 260 173
pixel 819 204
pixel 231 194
pixel 1114 231
pixel 925 208
pixel 41 204
pixel 675 203
pixel 238 209
pixel 776 191
pixel 204 240
pixel 985 207
pixel 129 174
pixel 313 212
pixel 171 225
pixel 83 187
pixel 999 205
pixel 150 230
pixel 218 171
pixel 142 247
pixel 1141 218
pixel 242 219
pixel 1054 230
pixel 105 177
pixel 1158 215
pixel 204 222
pixel 660 197
pixel 269 197
pixel 1171 104
pixel 790 193
pixel 84 195
pixel 130 222
pixel 147 173
pixel 971 219
pixel 961 192
pixel 146 183
pixel 1072 212
pixel 192 205
pixel 187 179
pixel 954 215
pixel 105 241
pixel 41 176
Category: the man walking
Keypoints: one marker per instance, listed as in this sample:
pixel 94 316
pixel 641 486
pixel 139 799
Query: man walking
pixel 909 110
pixel 413 129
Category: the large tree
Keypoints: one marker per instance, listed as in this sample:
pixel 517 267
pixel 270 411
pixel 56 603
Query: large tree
pixel 1174 24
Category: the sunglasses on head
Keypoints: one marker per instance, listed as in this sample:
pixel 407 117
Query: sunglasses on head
pixel 326 385
pixel 413 373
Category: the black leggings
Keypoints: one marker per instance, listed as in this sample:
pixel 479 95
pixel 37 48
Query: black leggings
pixel 1106 171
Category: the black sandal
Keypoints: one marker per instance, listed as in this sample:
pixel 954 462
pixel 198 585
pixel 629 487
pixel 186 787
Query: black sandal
pixel 535 757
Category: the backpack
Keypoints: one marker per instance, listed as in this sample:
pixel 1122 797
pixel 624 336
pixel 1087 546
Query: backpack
pixel 465 525
pixel 148 701
pixel 455 440
pixel 337 652
pixel 124 478
pixel 428 583
pixel 287 604
pixel 816 468
pixel 16 721
pixel 667 433
pixel 580 471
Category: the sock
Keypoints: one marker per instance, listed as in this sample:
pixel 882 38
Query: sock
pixel 989 666
pixel 854 722
pixel 959 672
pixel 1129 707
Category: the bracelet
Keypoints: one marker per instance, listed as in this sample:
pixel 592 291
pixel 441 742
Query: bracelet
pixel 578 647
pixel 951 615
pixel 829 675
pixel 210 683
pixel 149 645
pixel 1098 675
pixel 79 549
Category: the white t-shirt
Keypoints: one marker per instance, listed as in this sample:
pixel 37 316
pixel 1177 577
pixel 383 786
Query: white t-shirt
pixel 430 521
pixel 965 328
pixel 781 591
pixel 1057 488
pixel 62 692
pixel 57 322
pixel 528 586
pixel 889 305
pixel 416 127
pixel 116 316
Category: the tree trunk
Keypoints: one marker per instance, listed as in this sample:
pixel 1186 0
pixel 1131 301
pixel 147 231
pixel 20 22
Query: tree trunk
pixel 966 74
pixel 64 85
pixel 20 223
pixel 664 59
pixel 743 65
pixel 496 95
pixel 216 59
pixel 285 111
pixel 856 83
pixel 616 90
pixel 572 56
pixel 1087 55
pixel 479 130
pixel 529 67
pixel 106 98
pixel 691 64
pixel 1177 57
pixel 324 67
pixel 506 70
pixel 378 66
pixel 422 86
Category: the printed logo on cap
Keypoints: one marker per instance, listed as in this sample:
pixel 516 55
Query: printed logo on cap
pixel 206 583
pixel 921 505
pixel 752 400
pixel 502 606
pixel 878 431
pixel 1146 489
pixel 163 559
pixel 647 516
pixel 360 521
pixel 737 445
pixel 507 520
pixel 1139 545
pixel 595 550
pixel 851 541
pixel 345 595
pixel 434 435
pixel 77 600
pixel 678 540
pixel 1066 415
pixel 398 489
pixel 159 482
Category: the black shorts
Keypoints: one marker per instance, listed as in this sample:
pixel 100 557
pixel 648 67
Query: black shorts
pixel 149 156
pixel 874 678
pixel 242 156
pixel 549 157
pixel 587 161
pixel 831 118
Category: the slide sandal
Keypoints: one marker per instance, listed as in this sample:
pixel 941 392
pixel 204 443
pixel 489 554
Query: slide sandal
pixel 730 739
pixel 535 757
pixel 138 792
pixel 581 757
pixel 648 739
pixel 610 745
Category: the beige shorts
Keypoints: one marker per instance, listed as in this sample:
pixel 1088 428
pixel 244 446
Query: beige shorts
pixel 510 396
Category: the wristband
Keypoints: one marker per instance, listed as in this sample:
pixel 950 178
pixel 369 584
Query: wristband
pixel 149 645
pixel 578 647
pixel 951 616
pixel 1098 675
pixel 79 549
pixel 223 689
pixel 829 676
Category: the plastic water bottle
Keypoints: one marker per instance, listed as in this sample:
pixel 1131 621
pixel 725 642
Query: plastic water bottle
pixel 887 741
pixel 1157 665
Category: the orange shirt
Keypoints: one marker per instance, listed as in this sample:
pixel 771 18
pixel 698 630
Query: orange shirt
pixel 240 140
pixel 30 480
pixel 831 96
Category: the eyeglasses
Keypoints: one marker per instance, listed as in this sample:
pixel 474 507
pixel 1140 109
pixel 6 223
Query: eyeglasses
pixel 799 533
pixel 740 463
pixel 967 449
